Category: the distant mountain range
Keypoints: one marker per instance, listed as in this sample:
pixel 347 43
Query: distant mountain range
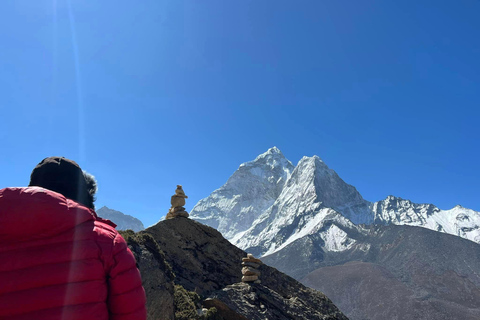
pixel 371 259
pixel 268 203
pixel 123 221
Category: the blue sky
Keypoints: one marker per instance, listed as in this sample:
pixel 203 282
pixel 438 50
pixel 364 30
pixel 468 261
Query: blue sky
pixel 147 95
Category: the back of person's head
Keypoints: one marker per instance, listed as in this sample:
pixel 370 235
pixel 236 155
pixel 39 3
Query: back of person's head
pixel 66 177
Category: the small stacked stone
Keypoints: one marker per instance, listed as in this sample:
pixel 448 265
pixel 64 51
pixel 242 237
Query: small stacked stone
pixel 250 270
pixel 177 201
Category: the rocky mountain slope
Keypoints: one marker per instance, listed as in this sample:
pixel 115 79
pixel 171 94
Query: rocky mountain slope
pixel 391 272
pixel 196 257
pixel 123 221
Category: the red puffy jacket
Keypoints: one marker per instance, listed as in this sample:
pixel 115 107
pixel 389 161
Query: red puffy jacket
pixel 58 261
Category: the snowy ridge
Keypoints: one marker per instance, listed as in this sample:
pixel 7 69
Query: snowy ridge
pixel 325 223
pixel 458 221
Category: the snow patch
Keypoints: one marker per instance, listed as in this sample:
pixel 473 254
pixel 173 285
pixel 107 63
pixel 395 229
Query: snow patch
pixel 336 239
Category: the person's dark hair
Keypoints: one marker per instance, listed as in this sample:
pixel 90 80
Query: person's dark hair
pixel 65 176
pixel 92 188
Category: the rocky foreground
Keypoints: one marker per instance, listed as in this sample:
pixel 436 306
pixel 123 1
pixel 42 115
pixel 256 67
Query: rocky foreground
pixel 190 271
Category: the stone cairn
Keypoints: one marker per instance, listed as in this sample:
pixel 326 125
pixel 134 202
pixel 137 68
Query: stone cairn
pixel 250 270
pixel 177 201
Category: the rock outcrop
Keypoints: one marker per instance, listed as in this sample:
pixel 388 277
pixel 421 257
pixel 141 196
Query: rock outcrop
pixel 208 264
pixel 202 260
pixel 259 302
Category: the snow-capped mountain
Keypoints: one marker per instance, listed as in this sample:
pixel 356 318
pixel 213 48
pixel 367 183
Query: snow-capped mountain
pixel 311 196
pixel 267 204
pixel 251 190
pixel 123 221
pixel 458 221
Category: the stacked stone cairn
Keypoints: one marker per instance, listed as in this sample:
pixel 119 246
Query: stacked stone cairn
pixel 177 201
pixel 250 270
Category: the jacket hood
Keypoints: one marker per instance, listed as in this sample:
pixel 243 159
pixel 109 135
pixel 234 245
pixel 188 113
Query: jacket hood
pixel 34 213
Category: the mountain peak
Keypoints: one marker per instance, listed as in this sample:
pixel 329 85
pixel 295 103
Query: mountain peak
pixel 251 189
pixel 273 159
pixel 274 151
pixel 394 198
pixel 313 159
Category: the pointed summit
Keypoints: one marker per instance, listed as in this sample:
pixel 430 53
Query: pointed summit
pixel 272 152
pixel 271 163
pixel 330 190
pixel 313 158
pixel 252 188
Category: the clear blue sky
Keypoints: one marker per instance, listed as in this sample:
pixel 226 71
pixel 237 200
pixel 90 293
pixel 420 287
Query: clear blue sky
pixel 150 94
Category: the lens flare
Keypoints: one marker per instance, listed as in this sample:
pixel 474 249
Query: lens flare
pixel 78 80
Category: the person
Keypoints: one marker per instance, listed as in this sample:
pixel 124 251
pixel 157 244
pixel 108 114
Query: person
pixel 58 260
